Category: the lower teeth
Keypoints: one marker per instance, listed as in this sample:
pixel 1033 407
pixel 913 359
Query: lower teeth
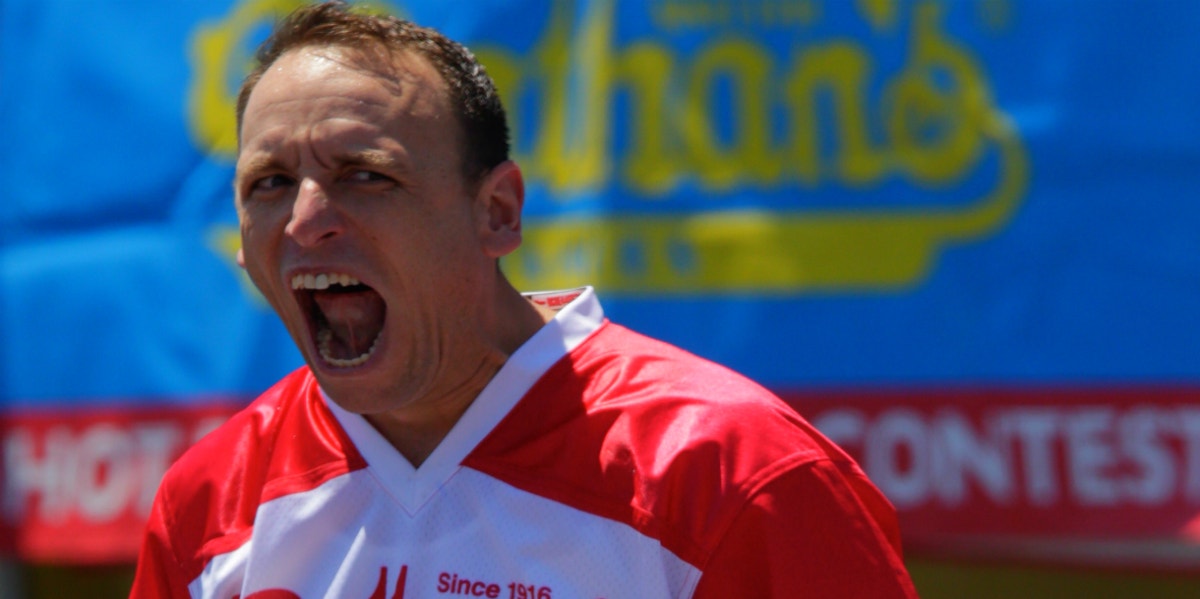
pixel 323 340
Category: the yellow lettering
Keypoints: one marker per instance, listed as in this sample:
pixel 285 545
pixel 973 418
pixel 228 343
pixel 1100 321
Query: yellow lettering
pixel 841 70
pixel 571 150
pixel 937 105
pixel 653 162
pixel 747 68
pixel 932 124
pixel 922 126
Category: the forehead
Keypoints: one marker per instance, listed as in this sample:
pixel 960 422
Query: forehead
pixel 316 82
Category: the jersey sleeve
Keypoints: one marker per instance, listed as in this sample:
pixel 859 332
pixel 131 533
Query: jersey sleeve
pixel 159 573
pixel 819 530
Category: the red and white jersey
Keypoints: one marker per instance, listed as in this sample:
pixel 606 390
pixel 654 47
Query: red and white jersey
pixel 597 464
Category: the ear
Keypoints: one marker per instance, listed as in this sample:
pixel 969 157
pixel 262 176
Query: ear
pixel 499 201
pixel 241 257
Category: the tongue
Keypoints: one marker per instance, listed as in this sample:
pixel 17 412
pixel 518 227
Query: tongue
pixel 355 318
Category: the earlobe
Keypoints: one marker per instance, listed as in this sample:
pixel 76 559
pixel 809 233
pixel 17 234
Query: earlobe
pixel 501 197
pixel 241 257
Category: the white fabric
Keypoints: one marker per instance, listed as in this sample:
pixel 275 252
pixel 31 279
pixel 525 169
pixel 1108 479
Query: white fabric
pixel 478 528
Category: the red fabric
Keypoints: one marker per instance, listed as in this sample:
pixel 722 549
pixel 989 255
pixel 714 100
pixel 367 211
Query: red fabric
pixel 810 533
pixel 159 573
pixel 225 479
pixel 719 470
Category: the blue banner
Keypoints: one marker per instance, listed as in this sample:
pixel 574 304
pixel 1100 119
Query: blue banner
pixel 816 193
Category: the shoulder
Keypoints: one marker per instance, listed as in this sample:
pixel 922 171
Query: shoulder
pixel 632 428
pixel 241 441
pixel 280 443
pixel 680 401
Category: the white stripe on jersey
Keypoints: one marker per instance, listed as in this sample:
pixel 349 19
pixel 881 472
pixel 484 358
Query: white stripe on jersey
pixel 337 539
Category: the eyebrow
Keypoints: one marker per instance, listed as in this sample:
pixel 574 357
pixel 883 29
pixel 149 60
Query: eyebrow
pixel 369 157
pixel 255 164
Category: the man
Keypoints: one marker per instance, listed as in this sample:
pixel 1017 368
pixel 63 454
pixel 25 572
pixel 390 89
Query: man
pixel 450 436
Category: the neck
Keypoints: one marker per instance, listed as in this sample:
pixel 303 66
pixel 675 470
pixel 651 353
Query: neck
pixel 417 431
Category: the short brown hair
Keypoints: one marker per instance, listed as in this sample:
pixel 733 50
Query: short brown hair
pixel 473 95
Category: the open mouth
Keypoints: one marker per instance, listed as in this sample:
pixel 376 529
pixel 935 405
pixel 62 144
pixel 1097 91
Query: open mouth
pixel 345 317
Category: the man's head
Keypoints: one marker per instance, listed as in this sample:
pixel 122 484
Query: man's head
pixel 359 224
pixel 369 39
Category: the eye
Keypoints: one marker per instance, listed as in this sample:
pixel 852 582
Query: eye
pixel 364 176
pixel 270 183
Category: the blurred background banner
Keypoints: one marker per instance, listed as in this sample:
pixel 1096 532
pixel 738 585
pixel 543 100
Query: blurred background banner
pixel 960 236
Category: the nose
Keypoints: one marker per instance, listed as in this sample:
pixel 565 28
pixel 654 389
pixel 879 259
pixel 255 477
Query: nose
pixel 314 216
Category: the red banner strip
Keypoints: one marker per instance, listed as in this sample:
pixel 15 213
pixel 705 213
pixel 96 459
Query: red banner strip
pixel 1093 476
pixel 1106 477
pixel 77 485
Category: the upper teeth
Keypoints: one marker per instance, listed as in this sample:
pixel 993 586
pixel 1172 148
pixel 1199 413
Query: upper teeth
pixel 322 281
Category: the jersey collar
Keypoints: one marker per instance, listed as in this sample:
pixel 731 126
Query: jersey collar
pixel 578 315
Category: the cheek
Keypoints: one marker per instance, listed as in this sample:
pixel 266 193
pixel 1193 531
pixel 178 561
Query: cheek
pixel 257 274
pixel 260 229
pixel 257 257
